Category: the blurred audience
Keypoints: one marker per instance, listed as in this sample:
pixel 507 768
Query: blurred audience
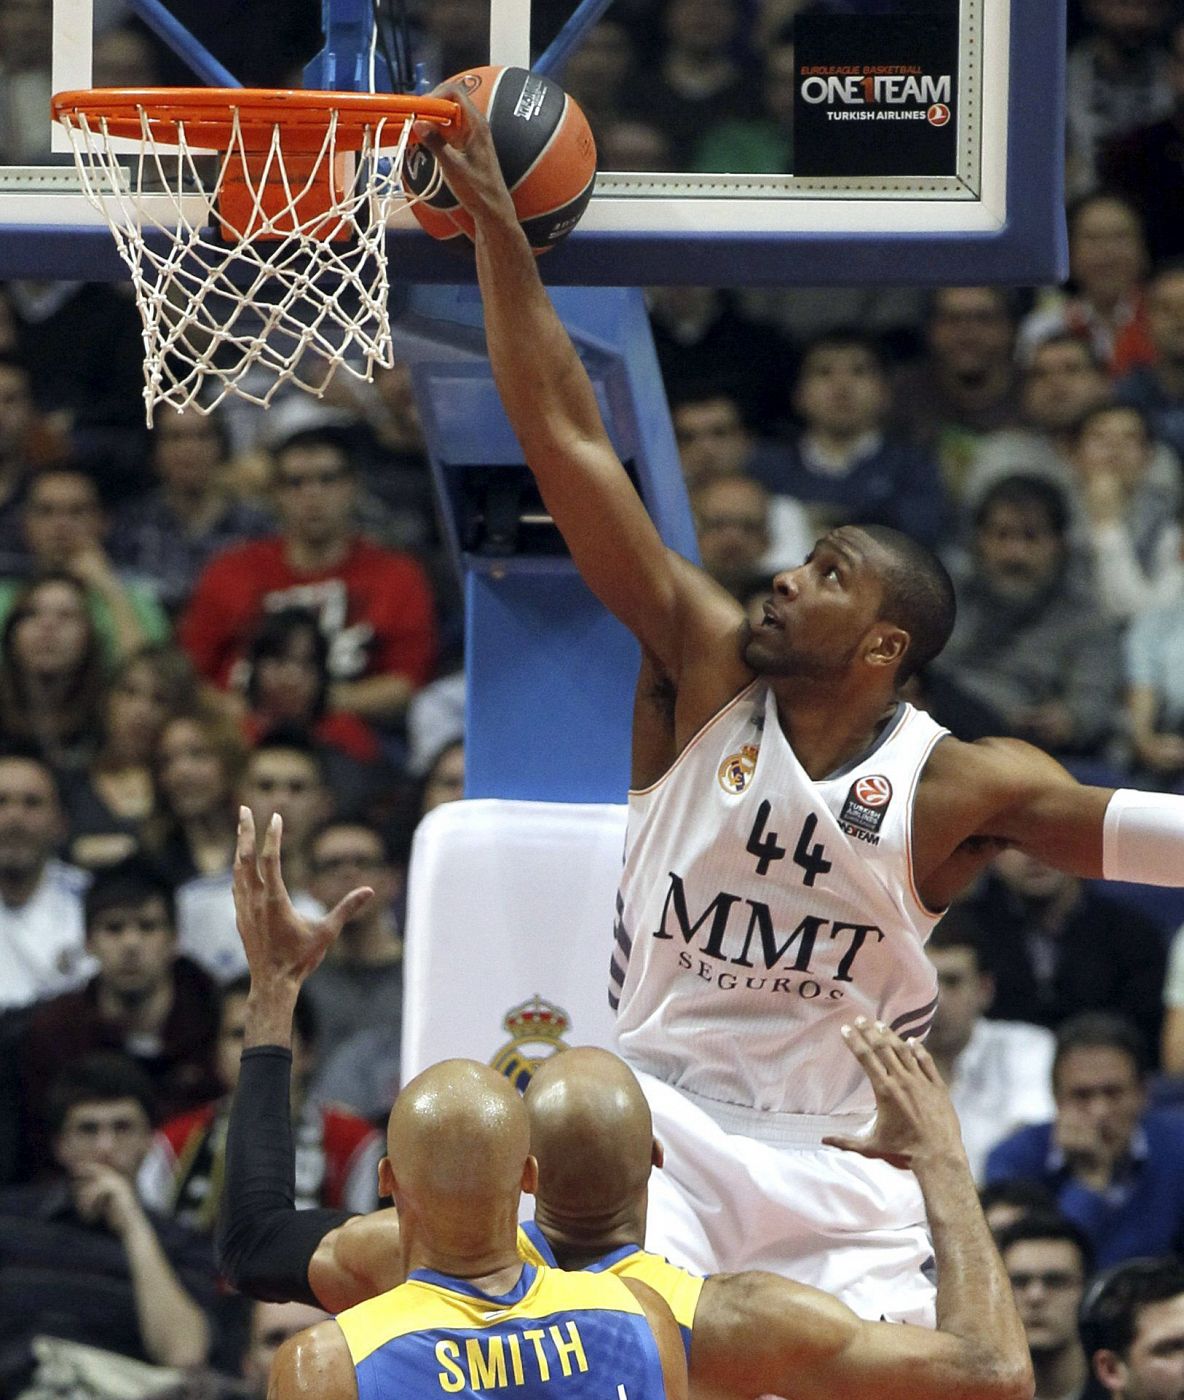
pixel 336 1151
pixel 844 464
pixel 82 1257
pixel 361 984
pixel 52 676
pixel 1118 78
pixel 109 800
pixel 997 1071
pixel 1058 947
pixel 966 386
pixel 1115 1166
pixel 1028 642
pixel 1062 380
pixel 1127 491
pixel 64 530
pixel 1104 302
pixel 170 533
pixel 1147 164
pixel 145 1000
pixel 375 606
pixel 1158 388
pixel 42 933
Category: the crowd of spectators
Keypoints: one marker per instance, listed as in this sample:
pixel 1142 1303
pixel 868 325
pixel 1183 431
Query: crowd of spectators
pixel 256 608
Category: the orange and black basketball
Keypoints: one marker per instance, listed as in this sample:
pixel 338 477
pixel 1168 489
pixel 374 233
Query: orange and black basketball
pixel 545 150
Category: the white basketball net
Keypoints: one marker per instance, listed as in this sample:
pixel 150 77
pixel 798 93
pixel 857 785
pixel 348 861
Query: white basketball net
pixel 244 316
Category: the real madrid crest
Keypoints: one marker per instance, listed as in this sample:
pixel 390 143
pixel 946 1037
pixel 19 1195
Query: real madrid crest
pixel 735 772
pixel 536 1033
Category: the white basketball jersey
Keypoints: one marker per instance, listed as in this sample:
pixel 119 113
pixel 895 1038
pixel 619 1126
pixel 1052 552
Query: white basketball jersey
pixel 759 910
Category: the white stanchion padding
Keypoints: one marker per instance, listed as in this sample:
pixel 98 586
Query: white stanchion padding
pixel 509 932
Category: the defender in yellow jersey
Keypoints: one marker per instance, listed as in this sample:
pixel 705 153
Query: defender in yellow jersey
pixel 472 1318
pixel 750 1334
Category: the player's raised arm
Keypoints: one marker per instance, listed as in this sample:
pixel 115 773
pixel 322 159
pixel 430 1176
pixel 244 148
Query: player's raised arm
pixel 757 1333
pixel 552 408
pixel 267 1248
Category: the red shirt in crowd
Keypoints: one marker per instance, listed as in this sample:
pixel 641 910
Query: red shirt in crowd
pixel 375 607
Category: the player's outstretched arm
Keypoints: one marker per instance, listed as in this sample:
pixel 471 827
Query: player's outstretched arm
pixel 757 1333
pixel 1014 794
pixel 552 408
pixel 314 1365
pixel 267 1248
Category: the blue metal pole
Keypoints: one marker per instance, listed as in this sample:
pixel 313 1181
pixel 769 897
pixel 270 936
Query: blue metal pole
pixel 585 15
pixel 183 44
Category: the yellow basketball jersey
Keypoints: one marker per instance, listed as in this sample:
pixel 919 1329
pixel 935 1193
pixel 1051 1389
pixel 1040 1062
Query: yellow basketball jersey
pixel 565 1336
pixel 679 1288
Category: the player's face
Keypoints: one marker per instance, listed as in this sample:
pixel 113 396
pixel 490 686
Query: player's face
pixel 1047 1280
pixel 816 621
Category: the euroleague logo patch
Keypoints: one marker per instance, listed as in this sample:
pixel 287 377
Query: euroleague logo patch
pixel 863 811
pixel 735 772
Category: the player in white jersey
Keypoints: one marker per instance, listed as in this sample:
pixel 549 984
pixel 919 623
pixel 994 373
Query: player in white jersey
pixel 792 827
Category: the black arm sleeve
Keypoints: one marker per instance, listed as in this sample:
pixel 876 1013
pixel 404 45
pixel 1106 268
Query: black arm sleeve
pixel 264 1243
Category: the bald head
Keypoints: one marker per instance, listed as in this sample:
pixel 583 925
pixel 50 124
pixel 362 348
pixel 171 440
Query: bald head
pixel 458 1131
pixel 591 1131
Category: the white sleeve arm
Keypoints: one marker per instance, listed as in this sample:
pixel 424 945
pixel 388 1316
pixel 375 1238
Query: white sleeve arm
pixel 1143 838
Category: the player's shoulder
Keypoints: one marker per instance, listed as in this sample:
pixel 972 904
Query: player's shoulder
pixel 316 1362
pixel 988 768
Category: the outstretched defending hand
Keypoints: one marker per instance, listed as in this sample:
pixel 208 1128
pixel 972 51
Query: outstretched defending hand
pixel 467 159
pixel 915 1120
pixel 281 945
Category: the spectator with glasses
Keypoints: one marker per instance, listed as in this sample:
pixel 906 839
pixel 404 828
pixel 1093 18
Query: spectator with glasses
pixel 1049 1261
pixel 361 986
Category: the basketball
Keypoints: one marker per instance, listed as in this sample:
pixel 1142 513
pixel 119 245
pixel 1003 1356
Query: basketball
pixel 544 147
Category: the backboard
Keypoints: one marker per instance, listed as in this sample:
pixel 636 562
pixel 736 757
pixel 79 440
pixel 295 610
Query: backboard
pixel 927 141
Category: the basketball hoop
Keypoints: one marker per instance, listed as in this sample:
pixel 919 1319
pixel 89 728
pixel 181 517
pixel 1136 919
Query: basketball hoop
pixel 253 223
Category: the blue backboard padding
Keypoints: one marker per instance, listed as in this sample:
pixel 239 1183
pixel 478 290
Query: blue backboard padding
pixel 551 678
pixel 1030 249
pixel 551 674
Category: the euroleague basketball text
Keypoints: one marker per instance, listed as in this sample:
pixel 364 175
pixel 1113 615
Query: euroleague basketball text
pixel 494 1362
pixel 822 950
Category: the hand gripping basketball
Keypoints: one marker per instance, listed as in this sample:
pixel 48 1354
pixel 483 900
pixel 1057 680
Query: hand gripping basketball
pixel 522 148
pixel 467 159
